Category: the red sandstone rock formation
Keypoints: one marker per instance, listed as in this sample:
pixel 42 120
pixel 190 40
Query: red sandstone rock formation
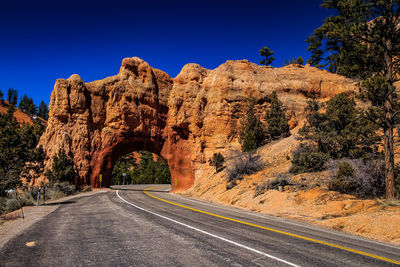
pixel 185 119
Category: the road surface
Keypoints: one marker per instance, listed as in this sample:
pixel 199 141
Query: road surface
pixel 133 227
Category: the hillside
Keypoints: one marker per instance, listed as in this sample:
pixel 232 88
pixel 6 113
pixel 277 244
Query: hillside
pixel 21 116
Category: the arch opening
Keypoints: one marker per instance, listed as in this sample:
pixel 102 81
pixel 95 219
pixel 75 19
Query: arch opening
pixel 107 157
pixel 140 167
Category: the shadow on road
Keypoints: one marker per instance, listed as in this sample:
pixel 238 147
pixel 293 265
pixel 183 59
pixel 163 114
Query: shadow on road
pixel 139 190
pixel 59 203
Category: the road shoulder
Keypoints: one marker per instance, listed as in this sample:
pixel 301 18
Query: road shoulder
pixel 32 214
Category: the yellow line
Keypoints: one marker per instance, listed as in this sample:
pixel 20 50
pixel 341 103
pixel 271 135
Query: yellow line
pixel 273 230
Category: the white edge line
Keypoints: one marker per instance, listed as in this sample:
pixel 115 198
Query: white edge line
pixel 210 234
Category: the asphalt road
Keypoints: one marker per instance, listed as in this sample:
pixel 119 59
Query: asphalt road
pixel 130 227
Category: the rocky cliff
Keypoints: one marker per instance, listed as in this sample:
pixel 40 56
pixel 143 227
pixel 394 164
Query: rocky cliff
pixel 185 119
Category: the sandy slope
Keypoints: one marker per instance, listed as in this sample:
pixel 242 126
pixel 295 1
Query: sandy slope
pixel 315 203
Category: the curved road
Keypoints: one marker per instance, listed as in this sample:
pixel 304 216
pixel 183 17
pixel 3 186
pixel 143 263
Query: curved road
pixel 132 226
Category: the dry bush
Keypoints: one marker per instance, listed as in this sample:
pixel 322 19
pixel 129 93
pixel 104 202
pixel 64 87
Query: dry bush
pixel 363 178
pixel 242 163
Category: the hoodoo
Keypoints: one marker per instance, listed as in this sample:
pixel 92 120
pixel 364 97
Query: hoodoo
pixel 185 120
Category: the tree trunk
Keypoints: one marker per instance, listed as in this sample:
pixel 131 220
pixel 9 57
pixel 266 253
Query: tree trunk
pixel 389 149
pixel 389 123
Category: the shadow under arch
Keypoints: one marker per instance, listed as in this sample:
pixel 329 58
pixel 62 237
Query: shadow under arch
pixel 106 158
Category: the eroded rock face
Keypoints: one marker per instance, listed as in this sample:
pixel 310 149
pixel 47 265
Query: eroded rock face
pixel 185 119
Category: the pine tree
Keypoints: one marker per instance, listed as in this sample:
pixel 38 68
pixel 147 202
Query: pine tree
pixel 362 39
pixel 341 131
pixel 62 169
pixel 217 161
pixel 17 146
pixel 12 96
pixel 1 96
pixel 11 151
pixel 300 61
pixel 267 53
pixel 43 111
pixel 276 118
pixel 26 104
pixel 252 133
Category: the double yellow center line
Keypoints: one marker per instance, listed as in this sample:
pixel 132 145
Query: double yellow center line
pixel 272 230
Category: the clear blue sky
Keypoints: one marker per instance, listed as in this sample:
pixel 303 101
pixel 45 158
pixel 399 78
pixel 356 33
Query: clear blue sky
pixel 43 40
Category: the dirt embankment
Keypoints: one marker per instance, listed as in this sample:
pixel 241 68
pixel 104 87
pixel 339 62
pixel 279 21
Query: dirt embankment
pixel 314 203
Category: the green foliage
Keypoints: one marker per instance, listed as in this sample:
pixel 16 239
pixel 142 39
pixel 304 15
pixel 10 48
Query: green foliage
pixel 300 61
pixel 267 53
pixel 307 159
pixel 217 161
pixel 276 119
pixel 249 143
pixel 344 181
pixel 121 167
pixel 145 171
pixel 362 39
pixel 1 95
pixel 26 104
pixel 289 62
pixel 43 111
pixel 17 146
pixel 12 96
pixel 252 133
pixel 341 131
pixel 62 169
pixel 363 178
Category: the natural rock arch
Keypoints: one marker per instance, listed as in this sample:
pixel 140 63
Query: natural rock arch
pixel 185 119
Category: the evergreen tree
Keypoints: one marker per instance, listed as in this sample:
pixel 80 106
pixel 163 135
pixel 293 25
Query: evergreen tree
pixel 121 166
pixel 145 171
pixel 276 118
pixel 289 62
pixel 341 131
pixel 217 160
pixel 26 104
pixel 252 133
pixel 267 53
pixel 362 39
pixel 17 146
pixel 300 61
pixel 11 152
pixel 43 111
pixel 12 96
pixel 1 95
pixel 62 169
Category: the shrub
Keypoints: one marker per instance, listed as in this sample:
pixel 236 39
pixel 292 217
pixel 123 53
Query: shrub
pixel 26 199
pixel 66 188
pixel 253 133
pixel 12 204
pixel 217 161
pixel 86 188
pixel 344 181
pixel 62 169
pixel 243 163
pixel 275 116
pixel 307 159
pixel 278 181
pixel 260 189
pixel 363 178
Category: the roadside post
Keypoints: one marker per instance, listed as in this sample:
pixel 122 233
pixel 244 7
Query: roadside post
pixel 44 195
pixel 100 179
pixel 38 197
pixel 123 175
pixel 20 205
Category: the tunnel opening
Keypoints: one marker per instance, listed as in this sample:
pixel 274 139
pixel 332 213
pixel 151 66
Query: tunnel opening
pixel 142 167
